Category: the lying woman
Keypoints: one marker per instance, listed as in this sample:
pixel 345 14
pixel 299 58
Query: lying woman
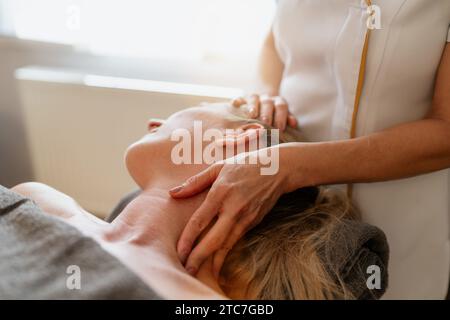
pixel 310 246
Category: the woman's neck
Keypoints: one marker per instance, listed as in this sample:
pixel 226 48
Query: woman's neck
pixel 149 227
pixel 154 219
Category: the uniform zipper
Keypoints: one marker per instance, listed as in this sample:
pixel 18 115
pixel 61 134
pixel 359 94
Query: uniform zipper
pixel 359 88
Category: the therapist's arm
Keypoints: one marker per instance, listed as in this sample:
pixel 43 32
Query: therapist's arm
pixel 269 107
pixel 402 151
pixel 270 67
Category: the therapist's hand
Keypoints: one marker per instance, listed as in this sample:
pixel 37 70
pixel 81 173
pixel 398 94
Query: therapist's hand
pixel 239 198
pixel 272 110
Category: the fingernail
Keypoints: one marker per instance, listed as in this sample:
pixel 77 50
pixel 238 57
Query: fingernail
pixel 191 270
pixel 176 189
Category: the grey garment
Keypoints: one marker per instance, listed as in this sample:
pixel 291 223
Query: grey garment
pixel 357 254
pixel 36 251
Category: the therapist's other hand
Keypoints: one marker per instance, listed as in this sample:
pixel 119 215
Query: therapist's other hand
pixel 239 198
pixel 272 110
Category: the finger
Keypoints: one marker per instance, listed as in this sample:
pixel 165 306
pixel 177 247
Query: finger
pixel 254 104
pixel 219 257
pixel 281 113
pixel 197 183
pixel 198 222
pixel 219 260
pixel 266 113
pixel 292 121
pixel 212 242
pixel 242 227
pixel 237 102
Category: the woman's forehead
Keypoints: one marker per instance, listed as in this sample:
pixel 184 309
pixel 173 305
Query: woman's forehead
pixel 226 110
pixel 210 110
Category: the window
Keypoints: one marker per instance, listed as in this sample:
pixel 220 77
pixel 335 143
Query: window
pixel 213 30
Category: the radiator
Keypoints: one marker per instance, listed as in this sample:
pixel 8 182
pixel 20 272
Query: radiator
pixel 78 127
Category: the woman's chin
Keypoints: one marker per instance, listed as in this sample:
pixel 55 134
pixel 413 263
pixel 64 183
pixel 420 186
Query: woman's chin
pixel 134 163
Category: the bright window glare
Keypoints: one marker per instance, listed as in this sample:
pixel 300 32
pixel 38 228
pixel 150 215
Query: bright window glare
pixel 172 29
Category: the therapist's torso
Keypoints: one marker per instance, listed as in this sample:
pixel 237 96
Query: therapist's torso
pixel 321 45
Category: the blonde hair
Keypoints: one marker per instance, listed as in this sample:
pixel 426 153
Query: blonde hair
pixel 280 258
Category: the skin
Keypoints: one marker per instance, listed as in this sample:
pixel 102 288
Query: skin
pixel 402 151
pixel 269 107
pixel 145 234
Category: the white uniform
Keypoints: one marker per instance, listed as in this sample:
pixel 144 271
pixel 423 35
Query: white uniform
pixel 321 44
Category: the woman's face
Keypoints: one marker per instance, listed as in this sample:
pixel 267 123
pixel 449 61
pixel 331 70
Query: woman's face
pixel 150 157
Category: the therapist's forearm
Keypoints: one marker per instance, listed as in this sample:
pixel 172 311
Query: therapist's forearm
pixel 270 67
pixel 402 151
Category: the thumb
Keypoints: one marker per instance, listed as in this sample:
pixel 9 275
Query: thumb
pixel 198 183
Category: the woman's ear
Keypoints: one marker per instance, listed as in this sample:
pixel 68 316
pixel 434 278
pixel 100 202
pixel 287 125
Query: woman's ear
pixel 251 126
pixel 154 123
pixel 243 135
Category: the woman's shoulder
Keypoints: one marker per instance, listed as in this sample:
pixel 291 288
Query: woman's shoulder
pixel 49 199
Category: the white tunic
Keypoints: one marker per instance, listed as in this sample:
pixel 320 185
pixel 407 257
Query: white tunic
pixel 321 44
